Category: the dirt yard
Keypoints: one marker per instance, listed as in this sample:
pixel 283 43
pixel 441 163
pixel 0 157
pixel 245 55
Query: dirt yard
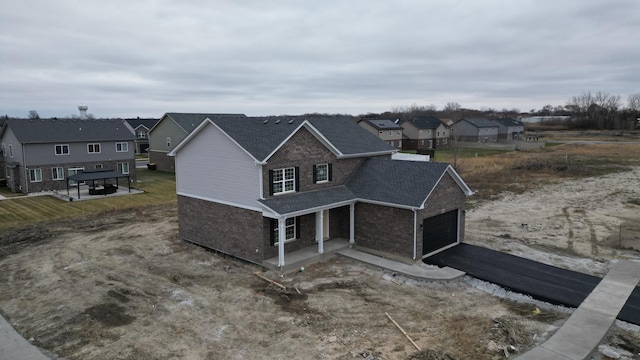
pixel 122 286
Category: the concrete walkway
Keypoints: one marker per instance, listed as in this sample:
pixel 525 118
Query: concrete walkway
pixel 414 271
pixel 14 346
pixel 590 322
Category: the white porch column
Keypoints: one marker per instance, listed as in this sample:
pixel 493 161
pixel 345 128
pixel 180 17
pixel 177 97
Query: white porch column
pixel 320 231
pixel 352 224
pixel 281 236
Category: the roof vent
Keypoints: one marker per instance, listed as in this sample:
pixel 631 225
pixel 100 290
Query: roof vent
pixel 278 121
pixel 291 121
pixel 397 120
pixel 266 121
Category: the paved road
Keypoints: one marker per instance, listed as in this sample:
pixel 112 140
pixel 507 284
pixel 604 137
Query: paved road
pixel 540 281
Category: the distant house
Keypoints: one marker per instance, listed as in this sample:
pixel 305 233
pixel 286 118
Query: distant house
pixel 260 188
pixel 426 132
pixel 39 155
pixel 509 129
pixel 170 130
pixel 475 130
pixel 387 130
pixel 141 128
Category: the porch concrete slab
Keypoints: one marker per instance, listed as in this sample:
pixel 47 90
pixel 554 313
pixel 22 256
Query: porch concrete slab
pixel 14 346
pixel 414 271
pixel 590 322
pixel 304 257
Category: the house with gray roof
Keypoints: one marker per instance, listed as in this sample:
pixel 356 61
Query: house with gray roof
pixel 509 129
pixel 170 130
pixel 39 155
pixel 259 188
pixel 387 130
pixel 141 128
pixel 424 133
pixel 475 130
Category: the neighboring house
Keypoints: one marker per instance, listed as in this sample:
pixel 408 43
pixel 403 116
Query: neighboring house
pixel 387 130
pixel 258 188
pixel 509 129
pixel 425 132
pixel 475 130
pixel 170 130
pixel 40 154
pixel 141 128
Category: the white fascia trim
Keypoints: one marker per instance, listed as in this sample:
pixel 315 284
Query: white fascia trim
pixel 377 153
pixel 383 203
pixel 313 209
pixel 415 234
pixel 458 179
pixel 223 202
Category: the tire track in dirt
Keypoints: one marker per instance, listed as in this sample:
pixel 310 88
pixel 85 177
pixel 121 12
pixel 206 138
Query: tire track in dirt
pixel 570 244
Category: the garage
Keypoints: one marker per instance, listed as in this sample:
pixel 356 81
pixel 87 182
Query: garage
pixel 439 232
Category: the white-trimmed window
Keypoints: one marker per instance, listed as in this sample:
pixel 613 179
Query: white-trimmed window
pixel 122 147
pixel 7 172
pixel 35 175
pixel 142 134
pixel 321 173
pixel 290 231
pixel 283 180
pixel 62 149
pixel 57 173
pixel 4 150
pixel 123 167
pixel 72 171
pixel 10 150
pixel 98 166
pixel 168 141
pixel 93 148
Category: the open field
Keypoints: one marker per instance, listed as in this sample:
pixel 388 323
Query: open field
pixel 116 283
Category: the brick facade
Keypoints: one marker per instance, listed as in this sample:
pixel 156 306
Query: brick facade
pixel 162 161
pixel 385 229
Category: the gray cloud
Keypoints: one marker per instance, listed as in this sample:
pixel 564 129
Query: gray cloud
pixel 145 58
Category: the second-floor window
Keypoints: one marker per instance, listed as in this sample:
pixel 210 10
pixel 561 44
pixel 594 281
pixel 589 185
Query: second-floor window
pixel 10 150
pixel 321 173
pixel 93 148
pixel 61 149
pixel 122 147
pixel 283 180
pixel 168 141
pixel 142 134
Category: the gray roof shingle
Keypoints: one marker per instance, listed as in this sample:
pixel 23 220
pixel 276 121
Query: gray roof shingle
pixel 509 122
pixel 189 121
pixel 148 123
pixel 383 124
pixel 308 200
pixel 69 130
pixel 425 122
pixel 480 122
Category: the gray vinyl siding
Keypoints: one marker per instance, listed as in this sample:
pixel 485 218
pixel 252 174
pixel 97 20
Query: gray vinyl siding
pixel 45 154
pixel 166 127
pixel 212 167
pixel 8 138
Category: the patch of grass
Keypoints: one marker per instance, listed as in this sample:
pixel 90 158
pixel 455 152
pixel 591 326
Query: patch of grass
pixel 447 155
pixel 6 192
pixel 159 188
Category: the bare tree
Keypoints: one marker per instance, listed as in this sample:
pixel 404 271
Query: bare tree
pixel 595 111
pixel 33 115
pixel 451 107
pixel 633 102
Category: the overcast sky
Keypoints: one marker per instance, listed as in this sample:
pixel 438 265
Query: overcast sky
pixel 126 58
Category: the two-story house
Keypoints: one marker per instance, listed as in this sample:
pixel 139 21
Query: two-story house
pixel 424 132
pixel 475 130
pixel 141 128
pixel 258 188
pixel 40 154
pixel 387 130
pixel 509 129
pixel 170 130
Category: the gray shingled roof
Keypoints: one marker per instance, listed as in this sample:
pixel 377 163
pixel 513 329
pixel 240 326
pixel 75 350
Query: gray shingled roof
pixel 425 122
pixel 308 200
pixel 480 122
pixel 509 122
pixel 405 183
pixel 383 124
pixel 148 123
pixel 260 136
pixel 189 121
pixel 69 130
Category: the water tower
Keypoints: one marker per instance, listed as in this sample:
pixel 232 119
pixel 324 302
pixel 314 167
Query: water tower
pixel 83 112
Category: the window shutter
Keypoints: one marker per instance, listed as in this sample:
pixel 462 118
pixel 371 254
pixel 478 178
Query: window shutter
pixel 297 179
pixel 272 229
pixel 330 174
pixel 314 174
pixel 271 183
pixel 297 227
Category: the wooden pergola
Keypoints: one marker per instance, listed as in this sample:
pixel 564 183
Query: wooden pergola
pixel 93 175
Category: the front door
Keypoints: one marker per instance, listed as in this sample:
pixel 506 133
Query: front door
pixel 325 224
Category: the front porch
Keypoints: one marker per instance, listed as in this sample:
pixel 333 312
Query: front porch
pixel 306 256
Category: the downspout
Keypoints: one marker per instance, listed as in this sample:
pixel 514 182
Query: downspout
pixel 415 234
pixel 24 162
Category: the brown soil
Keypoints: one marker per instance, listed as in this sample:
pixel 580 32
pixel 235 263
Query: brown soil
pixel 123 286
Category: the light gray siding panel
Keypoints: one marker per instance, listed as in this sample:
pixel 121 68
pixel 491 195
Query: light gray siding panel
pixel 165 128
pixel 44 154
pixel 8 138
pixel 211 166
